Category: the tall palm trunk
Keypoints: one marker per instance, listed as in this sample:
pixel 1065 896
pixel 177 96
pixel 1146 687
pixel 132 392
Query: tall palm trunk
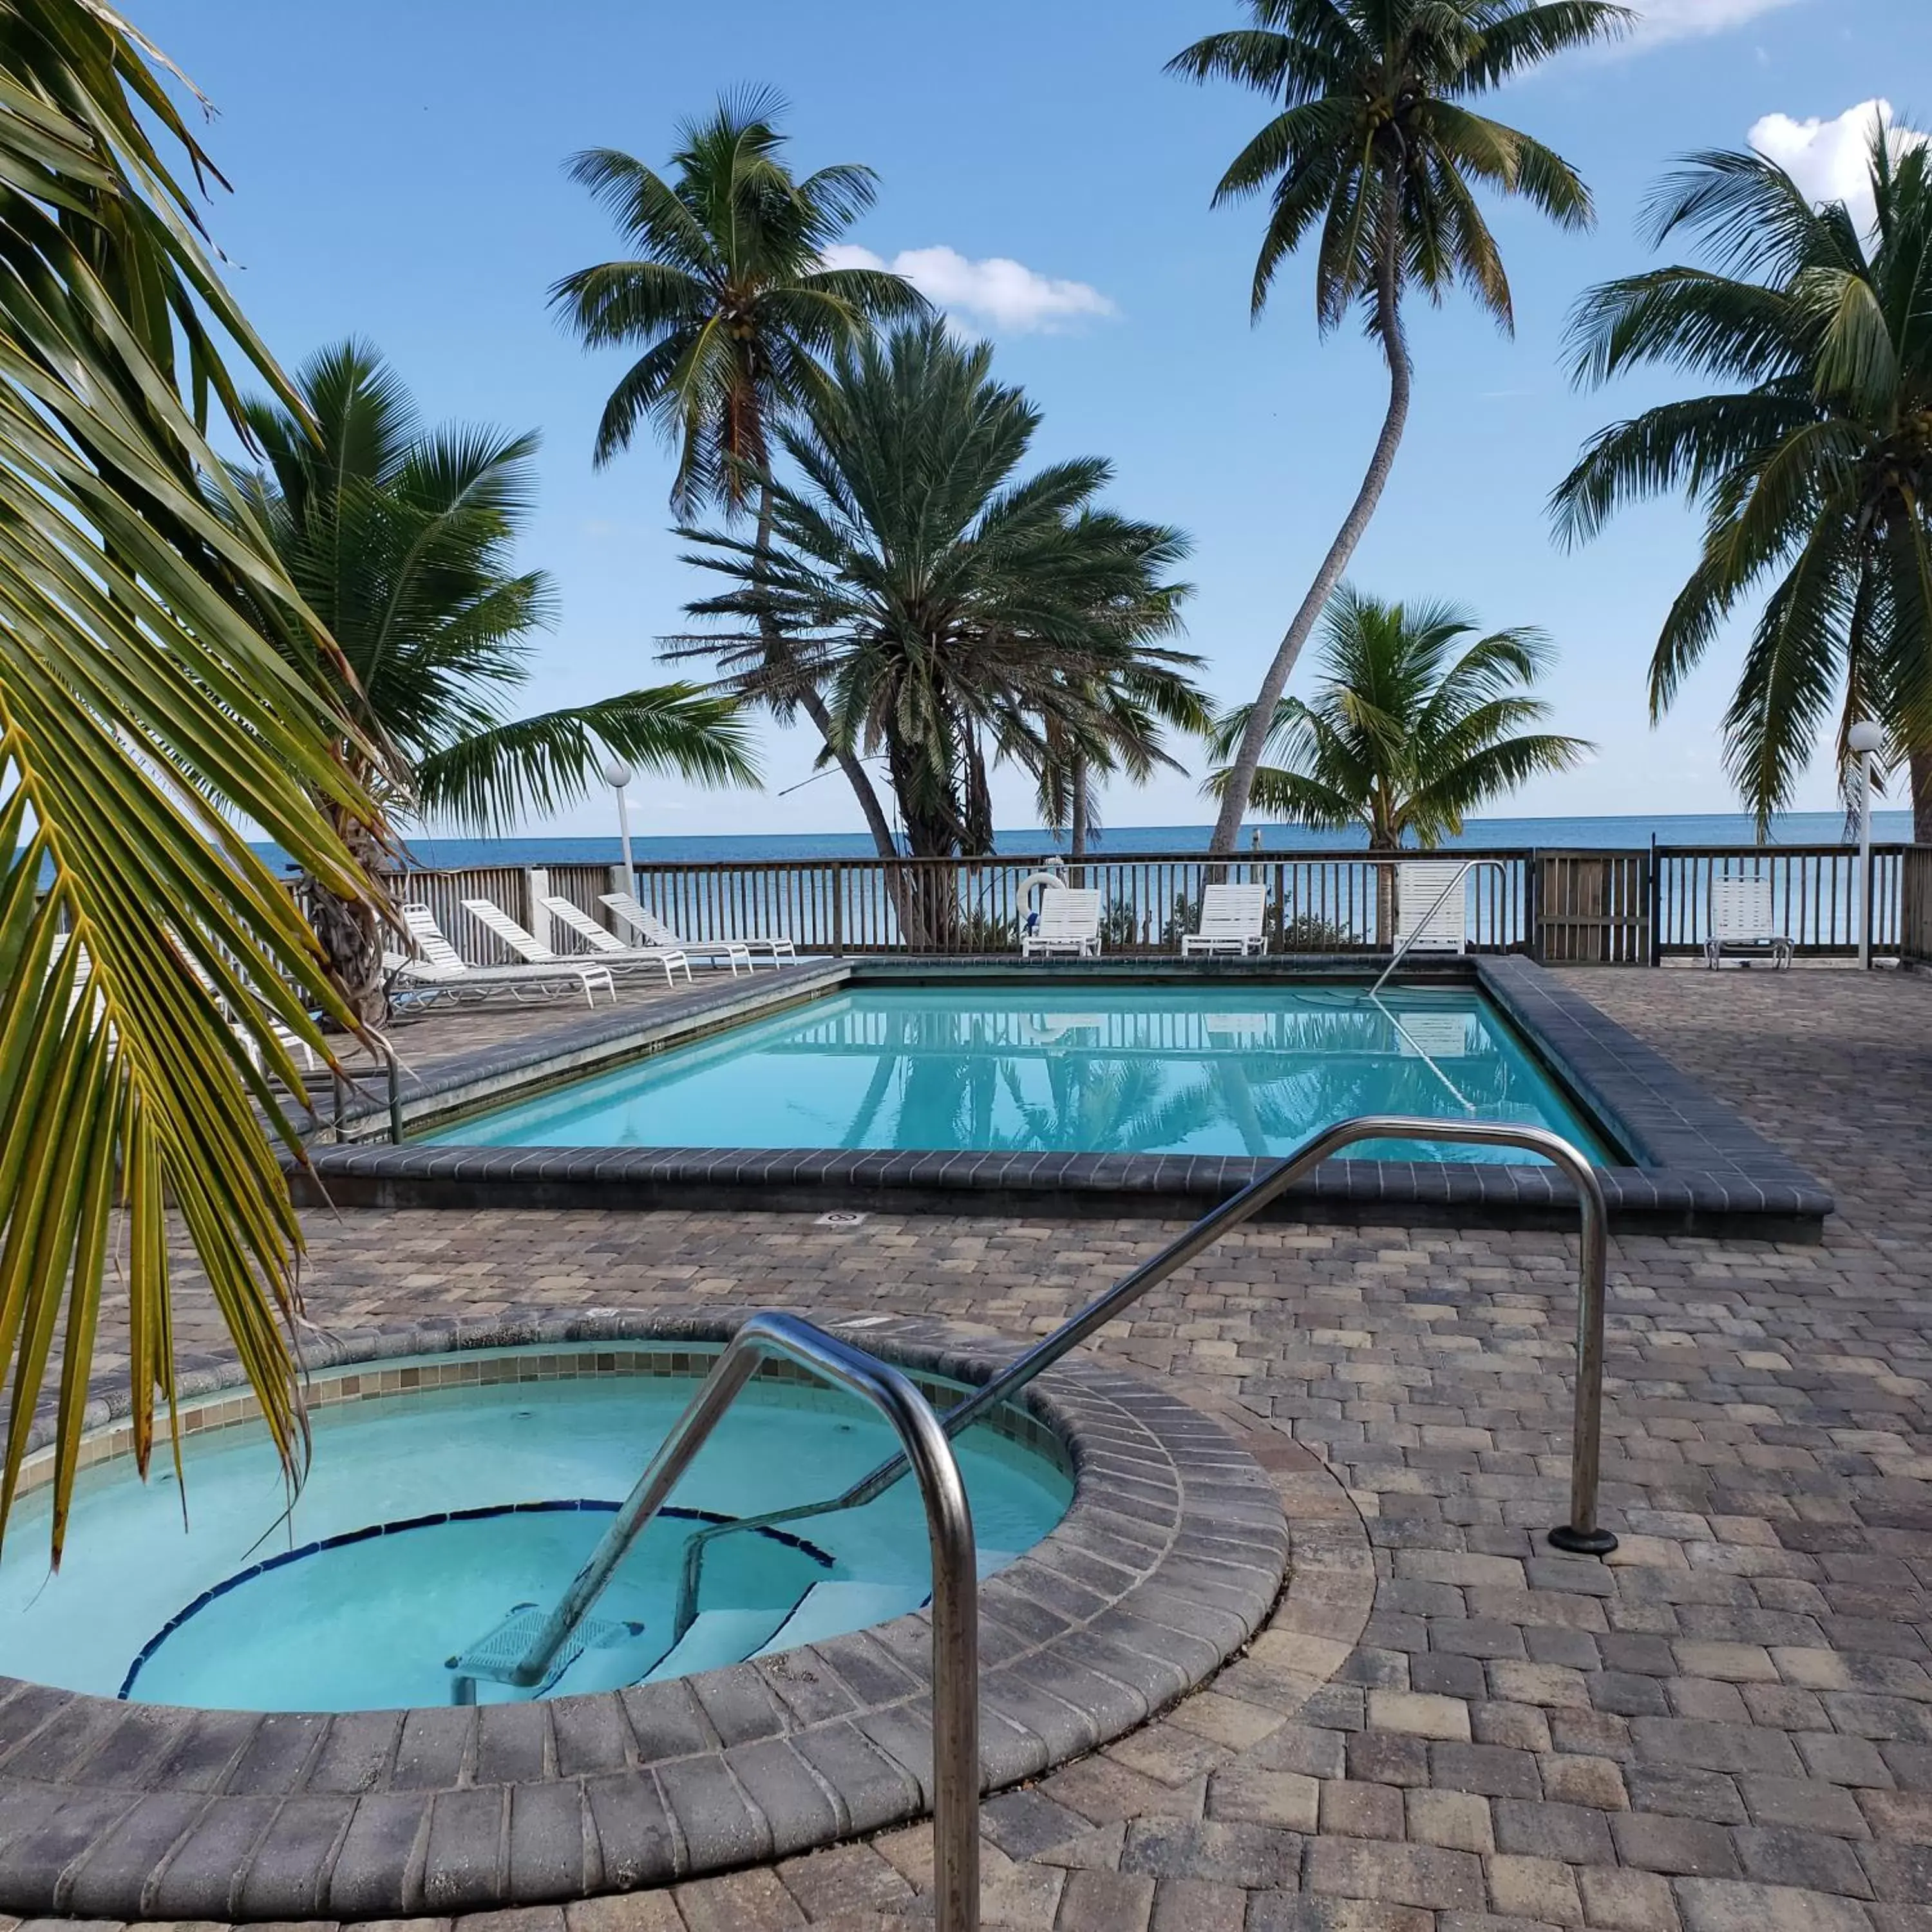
pixel 350 932
pixel 1388 329
pixel 1921 798
pixel 1076 822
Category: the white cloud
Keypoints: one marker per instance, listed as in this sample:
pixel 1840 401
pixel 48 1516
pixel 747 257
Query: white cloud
pixel 1828 158
pixel 996 293
pixel 1661 20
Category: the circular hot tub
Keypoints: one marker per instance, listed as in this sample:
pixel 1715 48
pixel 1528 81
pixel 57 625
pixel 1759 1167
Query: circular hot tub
pixel 448 1498
pixel 250 1718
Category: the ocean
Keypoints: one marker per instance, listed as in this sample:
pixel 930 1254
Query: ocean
pixel 1804 828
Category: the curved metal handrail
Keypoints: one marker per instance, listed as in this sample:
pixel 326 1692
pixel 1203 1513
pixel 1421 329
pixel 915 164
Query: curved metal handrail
pixel 1441 899
pixel 928 1451
pixel 1580 1534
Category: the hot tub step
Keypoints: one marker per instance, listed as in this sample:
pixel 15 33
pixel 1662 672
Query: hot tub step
pixel 717 1638
pixel 831 1610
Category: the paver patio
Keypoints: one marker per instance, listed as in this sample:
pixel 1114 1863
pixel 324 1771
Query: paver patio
pixel 1728 1728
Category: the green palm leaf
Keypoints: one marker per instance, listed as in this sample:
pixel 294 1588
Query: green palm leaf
pixel 155 692
pixel 1813 473
pixel 1414 725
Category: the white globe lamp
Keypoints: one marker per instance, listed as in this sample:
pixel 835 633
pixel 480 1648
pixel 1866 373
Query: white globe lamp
pixel 617 775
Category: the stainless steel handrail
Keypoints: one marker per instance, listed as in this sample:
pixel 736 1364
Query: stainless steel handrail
pixel 955 1589
pixel 1441 899
pixel 1580 1534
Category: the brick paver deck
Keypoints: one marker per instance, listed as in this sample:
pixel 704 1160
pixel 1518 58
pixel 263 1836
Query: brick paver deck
pixel 1728 1728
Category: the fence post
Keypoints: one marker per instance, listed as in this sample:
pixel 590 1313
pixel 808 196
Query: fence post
pixel 614 881
pixel 536 914
pixel 1654 897
pixel 838 906
pixel 1532 906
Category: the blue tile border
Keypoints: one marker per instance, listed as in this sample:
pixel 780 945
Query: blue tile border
pixel 1697 1167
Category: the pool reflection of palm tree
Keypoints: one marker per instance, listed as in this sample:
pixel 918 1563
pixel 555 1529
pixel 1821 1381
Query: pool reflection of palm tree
pixel 1099 1105
pixel 1309 1069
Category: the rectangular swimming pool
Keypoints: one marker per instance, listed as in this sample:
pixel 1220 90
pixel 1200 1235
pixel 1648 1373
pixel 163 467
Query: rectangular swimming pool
pixel 1078 1066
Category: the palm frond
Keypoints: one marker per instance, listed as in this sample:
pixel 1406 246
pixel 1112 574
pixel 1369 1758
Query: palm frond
pixel 150 700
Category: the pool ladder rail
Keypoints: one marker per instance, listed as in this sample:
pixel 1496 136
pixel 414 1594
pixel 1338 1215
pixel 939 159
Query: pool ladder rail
pixel 926 1438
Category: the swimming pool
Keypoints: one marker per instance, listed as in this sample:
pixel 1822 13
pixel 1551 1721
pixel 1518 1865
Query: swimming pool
pixel 1081 1067
pixel 432 1514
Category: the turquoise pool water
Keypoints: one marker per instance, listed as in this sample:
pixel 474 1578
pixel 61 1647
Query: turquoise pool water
pixel 1082 1068
pixel 428 1518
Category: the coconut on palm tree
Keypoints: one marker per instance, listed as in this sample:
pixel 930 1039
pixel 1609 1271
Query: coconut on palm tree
pixel 402 539
pixel 1415 722
pixel 1813 466
pixel 156 694
pixel 729 297
pixel 1375 150
pixel 951 609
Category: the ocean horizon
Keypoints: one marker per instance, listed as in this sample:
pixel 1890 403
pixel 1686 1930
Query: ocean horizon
pixel 1627 831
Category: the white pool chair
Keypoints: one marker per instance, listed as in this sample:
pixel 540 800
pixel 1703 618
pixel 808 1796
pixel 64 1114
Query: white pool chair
pixel 1742 920
pixel 1069 922
pixel 735 952
pixel 439 965
pixel 1232 921
pixel 609 948
pixel 1421 926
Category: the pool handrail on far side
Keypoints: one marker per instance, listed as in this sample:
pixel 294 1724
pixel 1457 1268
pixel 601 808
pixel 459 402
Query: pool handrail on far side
pixel 1436 905
pixel 1580 1535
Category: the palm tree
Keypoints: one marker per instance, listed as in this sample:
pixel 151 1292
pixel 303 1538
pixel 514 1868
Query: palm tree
pixel 1410 729
pixel 1373 147
pixel 951 611
pixel 1114 727
pixel 150 705
pixel 401 539
pixel 728 295
pixel 1814 471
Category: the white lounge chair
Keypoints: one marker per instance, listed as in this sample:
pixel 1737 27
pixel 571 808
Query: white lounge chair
pixel 609 948
pixel 1421 926
pixel 1741 921
pixel 1231 922
pixel 1069 922
pixel 653 932
pixel 440 965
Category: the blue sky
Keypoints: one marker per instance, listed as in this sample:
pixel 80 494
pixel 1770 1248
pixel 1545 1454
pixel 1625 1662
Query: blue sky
pixel 397 174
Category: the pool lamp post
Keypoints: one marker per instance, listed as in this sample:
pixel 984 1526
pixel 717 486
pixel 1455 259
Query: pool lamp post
pixel 617 775
pixel 1866 739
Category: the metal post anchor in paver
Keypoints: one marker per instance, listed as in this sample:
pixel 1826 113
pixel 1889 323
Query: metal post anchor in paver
pixel 1580 1535
pixel 926 1448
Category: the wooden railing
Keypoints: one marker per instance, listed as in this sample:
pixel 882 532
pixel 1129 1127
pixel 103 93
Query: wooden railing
pixel 1915 904
pixel 1815 895
pixel 1317 902
pixel 1625 907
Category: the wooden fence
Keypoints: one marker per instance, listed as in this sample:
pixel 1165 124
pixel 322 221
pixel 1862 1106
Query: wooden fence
pixel 1631 907
pixel 1915 904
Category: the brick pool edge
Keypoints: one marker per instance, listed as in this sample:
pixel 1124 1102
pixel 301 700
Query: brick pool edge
pixel 1170 1557
pixel 1698 1167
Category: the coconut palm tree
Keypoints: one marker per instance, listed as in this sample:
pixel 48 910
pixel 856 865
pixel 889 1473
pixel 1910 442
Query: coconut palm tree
pixel 951 611
pixel 1375 149
pixel 401 539
pixel 1115 730
pixel 1412 726
pixel 150 704
pixel 728 295
pixel 1814 467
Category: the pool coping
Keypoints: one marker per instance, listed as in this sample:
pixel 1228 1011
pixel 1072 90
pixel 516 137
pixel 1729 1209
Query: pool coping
pixel 1170 1556
pixel 1699 1167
